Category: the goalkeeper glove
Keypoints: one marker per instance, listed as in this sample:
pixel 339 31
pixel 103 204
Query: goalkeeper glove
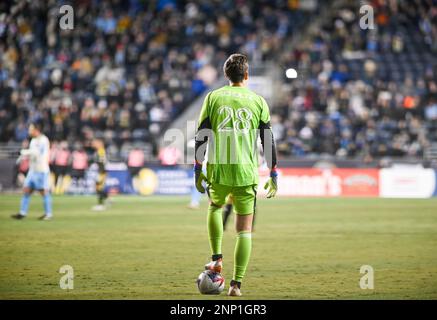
pixel 272 184
pixel 199 177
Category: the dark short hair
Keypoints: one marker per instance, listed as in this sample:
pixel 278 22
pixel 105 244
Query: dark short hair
pixel 37 125
pixel 235 67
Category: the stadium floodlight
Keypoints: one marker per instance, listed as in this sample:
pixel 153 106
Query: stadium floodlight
pixel 291 73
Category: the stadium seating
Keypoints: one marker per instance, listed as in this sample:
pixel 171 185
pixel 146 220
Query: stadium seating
pixel 365 92
pixel 128 67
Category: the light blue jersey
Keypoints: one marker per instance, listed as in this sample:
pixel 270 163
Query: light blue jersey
pixel 38 152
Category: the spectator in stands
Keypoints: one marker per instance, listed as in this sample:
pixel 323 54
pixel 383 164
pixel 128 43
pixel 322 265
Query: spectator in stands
pixel 135 161
pixel 431 110
pixel 79 163
pixel 61 165
pixel 170 156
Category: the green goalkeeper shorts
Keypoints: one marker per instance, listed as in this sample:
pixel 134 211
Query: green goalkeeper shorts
pixel 244 198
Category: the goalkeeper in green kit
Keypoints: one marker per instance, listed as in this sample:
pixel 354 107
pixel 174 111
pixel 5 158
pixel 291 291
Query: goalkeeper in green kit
pixel 230 122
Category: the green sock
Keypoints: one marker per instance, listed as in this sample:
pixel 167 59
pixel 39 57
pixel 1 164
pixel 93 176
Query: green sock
pixel 243 247
pixel 215 229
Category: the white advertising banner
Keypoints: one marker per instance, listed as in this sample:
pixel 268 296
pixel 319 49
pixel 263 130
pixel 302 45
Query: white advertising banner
pixel 407 183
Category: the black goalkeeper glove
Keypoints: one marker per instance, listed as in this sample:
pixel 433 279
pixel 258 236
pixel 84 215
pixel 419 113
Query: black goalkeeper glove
pixel 199 177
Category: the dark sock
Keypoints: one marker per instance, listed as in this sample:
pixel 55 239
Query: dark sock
pixel 233 283
pixel 102 196
pixel 215 257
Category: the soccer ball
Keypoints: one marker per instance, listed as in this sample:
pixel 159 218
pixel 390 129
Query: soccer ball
pixel 210 282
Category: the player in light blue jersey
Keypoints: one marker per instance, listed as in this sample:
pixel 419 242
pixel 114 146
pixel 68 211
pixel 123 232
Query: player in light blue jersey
pixel 38 176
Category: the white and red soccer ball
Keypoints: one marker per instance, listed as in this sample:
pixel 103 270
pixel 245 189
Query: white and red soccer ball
pixel 210 282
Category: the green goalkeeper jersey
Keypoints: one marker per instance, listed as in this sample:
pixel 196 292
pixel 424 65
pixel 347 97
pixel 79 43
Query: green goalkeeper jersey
pixel 234 115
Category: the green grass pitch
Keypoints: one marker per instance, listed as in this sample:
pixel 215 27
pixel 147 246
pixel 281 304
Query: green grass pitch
pixel 155 247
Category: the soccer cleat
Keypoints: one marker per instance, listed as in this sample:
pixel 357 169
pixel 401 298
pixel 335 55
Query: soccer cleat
pixel 45 218
pixel 99 207
pixel 18 216
pixel 193 206
pixel 215 266
pixel 234 291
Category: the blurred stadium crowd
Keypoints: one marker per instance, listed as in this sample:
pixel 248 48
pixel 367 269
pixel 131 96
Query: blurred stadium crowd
pixel 130 67
pixel 364 93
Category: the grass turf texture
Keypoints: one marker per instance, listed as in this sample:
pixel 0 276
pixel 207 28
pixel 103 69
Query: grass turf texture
pixel 154 248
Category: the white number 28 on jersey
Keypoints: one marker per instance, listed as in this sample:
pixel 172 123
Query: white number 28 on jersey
pixel 240 117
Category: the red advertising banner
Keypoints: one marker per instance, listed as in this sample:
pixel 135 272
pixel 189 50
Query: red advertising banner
pixel 309 182
pixel 359 182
